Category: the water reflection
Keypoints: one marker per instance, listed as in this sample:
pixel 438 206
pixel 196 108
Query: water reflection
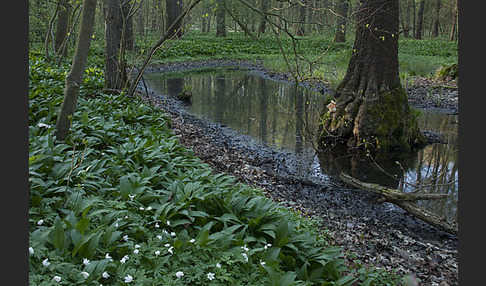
pixel 286 116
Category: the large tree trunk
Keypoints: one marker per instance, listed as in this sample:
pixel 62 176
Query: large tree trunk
pixel 75 76
pixel 342 11
pixel 371 108
pixel 62 26
pixel 113 30
pixel 173 10
pixel 420 20
pixel 220 18
pixel 437 17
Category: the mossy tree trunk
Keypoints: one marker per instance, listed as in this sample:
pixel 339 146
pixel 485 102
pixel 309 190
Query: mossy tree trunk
pixel 371 108
pixel 75 76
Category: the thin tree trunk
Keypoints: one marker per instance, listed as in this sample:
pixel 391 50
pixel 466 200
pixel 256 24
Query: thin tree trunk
pixel 128 25
pixel 173 10
pixel 263 20
pixel 414 18
pixel 113 31
pixel 453 33
pixel 75 75
pixel 406 29
pixel 420 20
pixel 241 24
pixel 140 22
pixel 301 24
pixel 342 11
pixel 62 26
pixel 157 45
pixel 220 18
pixel 49 32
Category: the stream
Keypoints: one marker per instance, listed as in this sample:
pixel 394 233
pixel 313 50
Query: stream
pixel 282 116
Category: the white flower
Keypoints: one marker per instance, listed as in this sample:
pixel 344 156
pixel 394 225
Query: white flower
pixel 131 197
pixel 126 217
pixel 179 274
pixel 157 253
pixel 172 234
pixel 210 276
pixel 57 278
pixel 85 274
pixel 218 265
pixel 85 261
pixel 165 232
pixel 41 125
pixel 170 250
pixel 40 222
pixel 46 262
pixel 159 237
pixel 116 224
pixel 125 237
pixel 149 208
pixel 107 256
pixel 245 248
pixel 267 246
pixel 124 259
pixel 245 256
pixel 137 246
pixel 157 225
pixel 168 222
pixel 192 240
pixel 128 278
pixel 136 251
pixel 105 275
pixel 142 208
pixel 167 245
pixel 31 251
pixel 262 262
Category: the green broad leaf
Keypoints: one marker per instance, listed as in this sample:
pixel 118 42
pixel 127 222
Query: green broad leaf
pixel 57 234
pixel 179 222
pixel 203 235
pixel 346 281
pixel 82 225
pixel 287 279
pixel 81 243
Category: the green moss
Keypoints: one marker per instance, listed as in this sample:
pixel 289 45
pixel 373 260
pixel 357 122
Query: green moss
pixel 394 125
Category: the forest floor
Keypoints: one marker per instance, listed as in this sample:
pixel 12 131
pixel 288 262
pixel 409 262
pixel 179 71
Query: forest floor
pixel 369 233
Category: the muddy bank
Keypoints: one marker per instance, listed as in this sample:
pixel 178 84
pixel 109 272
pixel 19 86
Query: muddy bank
pixel 379 234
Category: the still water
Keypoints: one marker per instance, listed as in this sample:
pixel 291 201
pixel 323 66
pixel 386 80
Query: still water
pixel 285 117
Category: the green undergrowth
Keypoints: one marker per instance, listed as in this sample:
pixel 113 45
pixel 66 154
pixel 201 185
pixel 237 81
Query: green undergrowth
pixel 121 202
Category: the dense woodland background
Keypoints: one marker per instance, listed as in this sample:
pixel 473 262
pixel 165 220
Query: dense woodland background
pixel 58 20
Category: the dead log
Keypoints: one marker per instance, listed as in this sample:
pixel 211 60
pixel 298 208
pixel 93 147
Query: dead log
pixel 405 201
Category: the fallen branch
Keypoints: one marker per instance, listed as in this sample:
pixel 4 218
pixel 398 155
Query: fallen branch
pixel 405 201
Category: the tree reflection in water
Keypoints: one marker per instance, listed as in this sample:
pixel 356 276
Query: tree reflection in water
pixel 285 116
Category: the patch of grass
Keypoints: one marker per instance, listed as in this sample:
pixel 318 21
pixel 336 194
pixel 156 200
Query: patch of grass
pixel 121 200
